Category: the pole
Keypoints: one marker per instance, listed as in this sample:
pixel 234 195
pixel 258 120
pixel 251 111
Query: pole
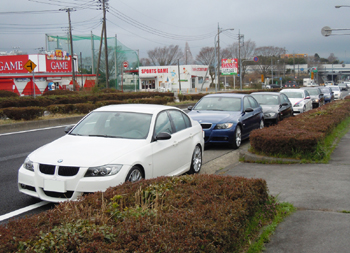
pixel 106 48
pixel 138 67
pixel 178 67
pixel 92 55
pixel 234 82
pixel 134 81
pixel 81 69
pixel 239 56
pixel 33 85
pixel 115 63
pixel 271 72
pixel 71 47
pixel 218 82
pixel 99 57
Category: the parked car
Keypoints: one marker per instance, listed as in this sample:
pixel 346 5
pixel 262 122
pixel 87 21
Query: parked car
pixel 328 94
pixel 300 100
pixel 336 92
pixel 343 86
pixel 291 84
pixel 276 106
pixel 227 118
pixel 316 95
pixel 111 145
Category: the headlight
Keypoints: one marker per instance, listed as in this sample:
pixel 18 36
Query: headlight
pixel 299 104
pixel 28 164
pixel 316 100
pixel 104 170
pixel 224 126
pixel 270 114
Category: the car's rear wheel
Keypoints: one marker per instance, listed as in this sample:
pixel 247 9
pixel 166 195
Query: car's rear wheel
pixel 135 174
pixel 237 138
pixel 196 162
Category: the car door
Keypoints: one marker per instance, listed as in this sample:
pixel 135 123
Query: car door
pixel 165 152
pixel 257 112
pixel 286 110
pixel 247 118
pixel 183 135
pixel 308 100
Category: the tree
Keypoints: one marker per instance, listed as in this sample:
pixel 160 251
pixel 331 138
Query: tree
pixel 266 55
pixel 246 51
pixel 205 57
pixel 331 58
pixel 165 56
pixel 188 58
pixel 145 62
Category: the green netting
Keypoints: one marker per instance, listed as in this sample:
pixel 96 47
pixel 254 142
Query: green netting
pixel 88 46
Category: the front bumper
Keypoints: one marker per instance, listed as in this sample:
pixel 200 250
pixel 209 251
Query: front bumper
pixel 223 136
pixel 57 188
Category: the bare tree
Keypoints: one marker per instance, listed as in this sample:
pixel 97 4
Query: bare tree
pixel 266 54
pixel 331 58
pixel 145 62
pixel 165 56
pixel 205 57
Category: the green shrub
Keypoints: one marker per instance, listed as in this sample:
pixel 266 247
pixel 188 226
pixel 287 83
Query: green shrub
pixel 60 109
pixel 59 92
pixel 7 94
pixel 201 213
pixel 23 113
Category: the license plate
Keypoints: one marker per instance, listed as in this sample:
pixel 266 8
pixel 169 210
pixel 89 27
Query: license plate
pixel 55 186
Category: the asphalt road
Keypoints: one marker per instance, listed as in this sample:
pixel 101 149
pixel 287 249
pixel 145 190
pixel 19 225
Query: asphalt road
pixel 16 146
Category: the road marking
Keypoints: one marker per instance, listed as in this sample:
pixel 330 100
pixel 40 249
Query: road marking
pixel 34 130
pixel 22 210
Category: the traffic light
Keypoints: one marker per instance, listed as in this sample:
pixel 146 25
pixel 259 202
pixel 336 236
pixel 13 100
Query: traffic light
pixel 262 78
pixel 312 75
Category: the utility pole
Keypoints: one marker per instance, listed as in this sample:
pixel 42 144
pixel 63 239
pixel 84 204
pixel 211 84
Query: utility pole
pixel 106 48
pixel 71 43
pixel 218 57
pixel 239 58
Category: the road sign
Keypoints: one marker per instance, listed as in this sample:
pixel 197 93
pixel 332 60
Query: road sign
pixel 256 58
pixel 125 64
pixel 30 66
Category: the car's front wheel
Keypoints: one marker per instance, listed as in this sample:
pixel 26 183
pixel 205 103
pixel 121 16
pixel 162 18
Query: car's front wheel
pixel 196 162
pixel 134 175
pixel 237 137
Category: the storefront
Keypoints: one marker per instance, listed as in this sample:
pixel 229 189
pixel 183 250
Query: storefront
pixel 166 78
pixel 54 68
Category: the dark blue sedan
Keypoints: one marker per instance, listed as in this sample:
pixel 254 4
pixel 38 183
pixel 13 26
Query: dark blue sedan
pixel 227 118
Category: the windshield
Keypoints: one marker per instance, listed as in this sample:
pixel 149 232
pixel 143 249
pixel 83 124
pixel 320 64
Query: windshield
pixel 335 88
pixel 313 91
pixel 219 104
pixel 266 99
pixel 326 91
pixel 294 94
pixel 127 125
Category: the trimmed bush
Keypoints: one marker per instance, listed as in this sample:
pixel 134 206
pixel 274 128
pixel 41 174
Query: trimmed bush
pixel 59 92
pixel 201 213
pixel 25 113
pixel 7 93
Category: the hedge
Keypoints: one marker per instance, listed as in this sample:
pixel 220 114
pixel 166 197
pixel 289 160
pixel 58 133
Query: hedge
pixel 26 113
pixel 300 135
pixel 201 213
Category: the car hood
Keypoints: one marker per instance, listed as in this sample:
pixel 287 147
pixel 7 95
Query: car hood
pixel 214 116
pixel 84 151
pixel 270 108
pixel 295 100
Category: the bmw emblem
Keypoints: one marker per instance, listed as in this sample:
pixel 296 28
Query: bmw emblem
pixel 59 161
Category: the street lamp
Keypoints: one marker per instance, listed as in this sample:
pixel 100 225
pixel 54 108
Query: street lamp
pixel 217 71
pixel 339 6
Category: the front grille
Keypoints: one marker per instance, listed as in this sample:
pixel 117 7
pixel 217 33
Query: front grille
pixel 206 125
pixel 47 169
pixel 67 171
pixel 66 195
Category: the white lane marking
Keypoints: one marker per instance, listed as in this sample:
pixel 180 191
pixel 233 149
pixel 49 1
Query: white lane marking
pixel 22 210
pixel 34 130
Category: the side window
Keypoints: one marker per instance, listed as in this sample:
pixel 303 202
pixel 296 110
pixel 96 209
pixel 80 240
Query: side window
pixel 253 102
pixel 307 93
pixel 246 103
pixel 178 120
pixel 162 124
pixel 284 98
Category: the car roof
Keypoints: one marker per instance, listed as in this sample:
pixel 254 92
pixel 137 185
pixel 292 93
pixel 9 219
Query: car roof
pixel 141 108
pixel 266 93
pixel 235 95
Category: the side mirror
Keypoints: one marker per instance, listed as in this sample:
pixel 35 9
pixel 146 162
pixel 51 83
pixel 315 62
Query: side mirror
pixel 284 104
pixel 190 108
pixel 163 136
pixel 308 97
pixel 249 109
pixel 68 128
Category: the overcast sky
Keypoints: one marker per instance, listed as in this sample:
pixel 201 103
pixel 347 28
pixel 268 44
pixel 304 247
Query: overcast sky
pixel 291 24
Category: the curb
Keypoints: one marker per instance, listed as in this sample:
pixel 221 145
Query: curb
pixel 248 157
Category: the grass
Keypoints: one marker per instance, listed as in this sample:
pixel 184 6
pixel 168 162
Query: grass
pixel 46 117
pixel 283 210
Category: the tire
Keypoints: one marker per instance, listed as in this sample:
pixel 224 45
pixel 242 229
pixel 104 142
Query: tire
pixel 196 161
pixel 134 175
pixel 237 138
pixel 261 126
pixel 277 120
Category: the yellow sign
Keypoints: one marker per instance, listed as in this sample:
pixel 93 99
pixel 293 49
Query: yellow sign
pixel 30 66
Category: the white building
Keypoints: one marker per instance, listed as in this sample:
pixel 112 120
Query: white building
pixel 166 78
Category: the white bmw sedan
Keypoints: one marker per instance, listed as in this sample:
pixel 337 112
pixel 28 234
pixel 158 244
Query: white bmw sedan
pixel 111 145
pixel 300 99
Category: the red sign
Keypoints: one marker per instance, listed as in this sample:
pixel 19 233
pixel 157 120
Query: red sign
pixel 155 71
pixel 58 66
pixel 13 64
pixel 125 64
